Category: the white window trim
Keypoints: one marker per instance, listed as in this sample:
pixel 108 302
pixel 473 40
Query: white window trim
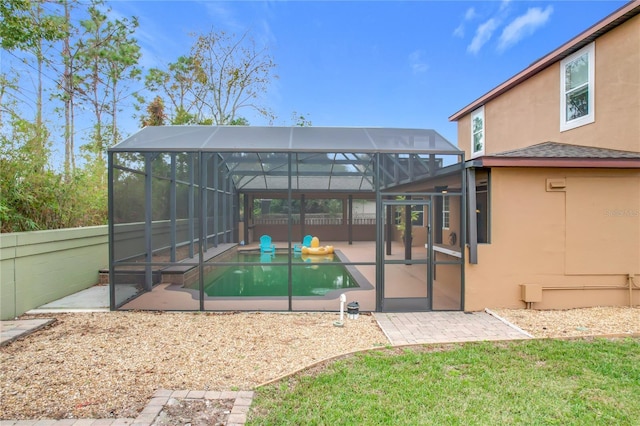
pixel 446 212
pixel 591 116
pixel 474 114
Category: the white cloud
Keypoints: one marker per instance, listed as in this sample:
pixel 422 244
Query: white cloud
pixel 224 15
pixel 417 62
pixel 459 31
pixel 504 5
pixel 483 35
pixel 153 40
pixel 468 16
pixel 523 26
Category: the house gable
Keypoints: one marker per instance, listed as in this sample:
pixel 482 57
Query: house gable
pixel 527 109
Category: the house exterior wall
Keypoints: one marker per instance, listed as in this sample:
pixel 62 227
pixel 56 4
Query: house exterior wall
pixel 579 243
pixel 529 113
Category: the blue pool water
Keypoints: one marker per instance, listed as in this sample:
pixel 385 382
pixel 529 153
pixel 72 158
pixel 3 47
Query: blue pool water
pixel 311 276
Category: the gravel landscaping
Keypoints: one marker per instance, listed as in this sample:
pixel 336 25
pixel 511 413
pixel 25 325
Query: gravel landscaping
pixel 108 365
pixel 575 322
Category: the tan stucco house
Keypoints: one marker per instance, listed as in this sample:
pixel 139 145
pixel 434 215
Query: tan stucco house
pixel 554 155
pixel 538 205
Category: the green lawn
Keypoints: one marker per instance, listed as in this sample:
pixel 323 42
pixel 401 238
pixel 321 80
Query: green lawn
pixel 542 382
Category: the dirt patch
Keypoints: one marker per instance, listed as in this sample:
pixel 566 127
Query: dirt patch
pixel 195 412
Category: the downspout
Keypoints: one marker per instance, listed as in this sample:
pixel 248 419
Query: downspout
pixel 472 218
pixel 631 285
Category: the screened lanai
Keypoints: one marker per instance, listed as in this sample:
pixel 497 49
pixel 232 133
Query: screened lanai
pixel 214 218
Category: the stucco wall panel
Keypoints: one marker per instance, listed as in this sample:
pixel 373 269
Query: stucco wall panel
pixel 529 241
pixel 617 90
pixel 524 116
pixel 529 221
pixel 464 135
pixel 603 225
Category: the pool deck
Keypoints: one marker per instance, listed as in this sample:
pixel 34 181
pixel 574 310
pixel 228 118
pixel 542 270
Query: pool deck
pixel 407 282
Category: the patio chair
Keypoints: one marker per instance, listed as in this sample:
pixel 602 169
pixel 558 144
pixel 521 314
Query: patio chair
pixel 266 258
pixel 266 246
pixel 306 242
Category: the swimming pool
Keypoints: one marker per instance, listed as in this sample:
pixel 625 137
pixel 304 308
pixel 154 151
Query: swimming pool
pixel 310 276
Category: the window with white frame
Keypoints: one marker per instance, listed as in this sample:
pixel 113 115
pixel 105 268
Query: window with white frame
pixel 445 212
pixel 477 132
pixel 577 89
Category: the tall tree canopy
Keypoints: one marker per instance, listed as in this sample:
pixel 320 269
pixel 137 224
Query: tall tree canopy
pixel 66 56
pixel 71 78
pixel 222 76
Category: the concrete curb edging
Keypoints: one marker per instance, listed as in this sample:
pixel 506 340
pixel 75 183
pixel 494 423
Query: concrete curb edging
pixel 14 330
pixel 515 327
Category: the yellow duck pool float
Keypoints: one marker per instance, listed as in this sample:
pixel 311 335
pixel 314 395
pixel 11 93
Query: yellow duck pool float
pixel 316 248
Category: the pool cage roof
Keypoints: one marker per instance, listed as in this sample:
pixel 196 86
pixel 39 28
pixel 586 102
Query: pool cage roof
pixel 322 158
pixel 175 191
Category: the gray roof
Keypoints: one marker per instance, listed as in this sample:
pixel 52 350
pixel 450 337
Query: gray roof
pixel 285 139
pixel 322 158
pixel 563 150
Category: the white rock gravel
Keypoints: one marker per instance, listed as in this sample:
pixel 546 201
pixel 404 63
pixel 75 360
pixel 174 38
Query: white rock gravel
pixel 575 322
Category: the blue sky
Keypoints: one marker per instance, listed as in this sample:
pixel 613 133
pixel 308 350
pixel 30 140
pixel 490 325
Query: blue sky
pixel 401 64
pixel 374 63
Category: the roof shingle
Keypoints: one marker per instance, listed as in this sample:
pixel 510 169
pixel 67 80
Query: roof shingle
pixel 563 150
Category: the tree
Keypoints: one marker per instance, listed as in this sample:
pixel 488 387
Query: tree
pixel 109 54
pixel 36 197
pixel 6 83
pixel 231 74
pixel 155 113
pixel 240 121
pixel 86 64
pixel 300 120
pixel 222 76
pixel 18 29
pixel 91 53
pixel 122 66
pixel 26 27
pixel 68 89
pixel 176 84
